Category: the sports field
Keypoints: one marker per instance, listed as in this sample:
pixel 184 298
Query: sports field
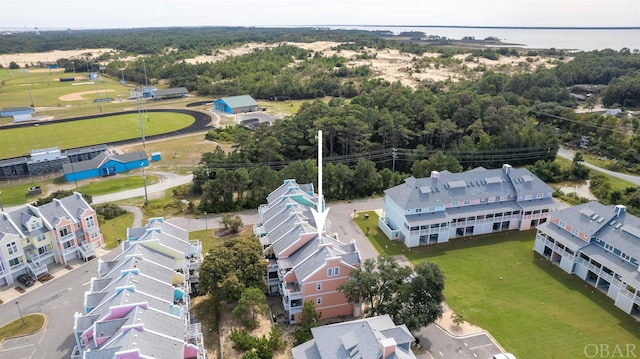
pixel 16 142
pixel 532 307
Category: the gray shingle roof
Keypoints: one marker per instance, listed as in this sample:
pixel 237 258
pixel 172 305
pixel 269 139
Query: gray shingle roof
pixel 572 242
pixel 478 184
pixel 101 159
pixel 350 339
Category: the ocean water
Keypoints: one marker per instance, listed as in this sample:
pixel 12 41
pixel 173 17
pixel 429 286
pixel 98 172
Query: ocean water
pixel 569 39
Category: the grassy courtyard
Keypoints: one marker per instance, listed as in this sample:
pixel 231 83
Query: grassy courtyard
pixel 533 308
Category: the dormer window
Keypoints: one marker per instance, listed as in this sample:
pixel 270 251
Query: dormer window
pixel 90 222
pixel 35 225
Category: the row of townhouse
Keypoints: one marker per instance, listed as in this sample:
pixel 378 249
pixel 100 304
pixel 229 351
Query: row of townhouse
pixel 446 205
pixel 600 244
pixel 302 264
pixel 33 237
pixel 138 306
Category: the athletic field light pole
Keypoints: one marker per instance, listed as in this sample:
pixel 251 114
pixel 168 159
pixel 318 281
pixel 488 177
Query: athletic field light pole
pixel 26 79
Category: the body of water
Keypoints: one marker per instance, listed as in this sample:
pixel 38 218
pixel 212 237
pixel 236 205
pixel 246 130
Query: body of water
pixel 571 39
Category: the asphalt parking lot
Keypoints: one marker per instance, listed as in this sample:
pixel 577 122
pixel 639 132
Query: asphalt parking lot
pixel 442 345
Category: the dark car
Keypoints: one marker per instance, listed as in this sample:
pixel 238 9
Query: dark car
pixel 26 280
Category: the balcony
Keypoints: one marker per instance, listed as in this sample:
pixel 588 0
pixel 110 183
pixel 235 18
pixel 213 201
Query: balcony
pixel 37 268
pixel 17 267
pixel 87 249
pixel 71 249
pixel 631 295
pixel 66 238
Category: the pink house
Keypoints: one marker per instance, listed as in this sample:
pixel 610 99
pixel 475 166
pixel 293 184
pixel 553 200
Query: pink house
pixel 303 266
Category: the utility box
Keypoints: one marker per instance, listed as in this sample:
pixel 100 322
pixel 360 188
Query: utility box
pixel 155 156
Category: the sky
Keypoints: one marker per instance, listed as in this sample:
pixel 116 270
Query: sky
pixel 74 14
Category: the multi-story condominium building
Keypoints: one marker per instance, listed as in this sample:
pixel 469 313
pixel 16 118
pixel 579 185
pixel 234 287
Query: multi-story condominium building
pixel 303 265
pixel 600 244
pixel 138 307
pixel 33 237
pixel 480 201
pixel 375 337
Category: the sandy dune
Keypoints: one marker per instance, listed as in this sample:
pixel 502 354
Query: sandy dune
pixel 51 56
pixel 389 64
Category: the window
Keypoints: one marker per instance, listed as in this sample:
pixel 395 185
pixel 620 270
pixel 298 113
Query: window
pixel 319 286
pixel 12 248
pixel 330 272
pixel 454 204
pixel 90 222
pixel 15 261
pixel 66 245
pixel 319 300
pixel 41 237
pixel 626 256
pixel 44 250
pixel 418 210
pixel 94 235
pixel 467 202
pixel 63 231
pixel 336 271
pixel 35 225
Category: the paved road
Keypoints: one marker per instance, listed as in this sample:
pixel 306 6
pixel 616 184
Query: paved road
pixel 59 299
pixel 569 154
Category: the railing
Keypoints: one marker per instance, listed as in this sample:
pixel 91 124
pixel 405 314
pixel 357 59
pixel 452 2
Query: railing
pixel 37 269
pixel 606 276
pixel 18 266
pixel 70 249
pixel 630 295
pixel 67 237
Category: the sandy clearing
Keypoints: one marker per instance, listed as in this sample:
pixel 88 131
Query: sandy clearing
pixel 77 96
pixel 30 58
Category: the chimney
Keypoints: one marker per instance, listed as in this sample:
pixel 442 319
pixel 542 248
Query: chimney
pixel 506 168
pixel 620 209
pixel 388 347
pixel 435 174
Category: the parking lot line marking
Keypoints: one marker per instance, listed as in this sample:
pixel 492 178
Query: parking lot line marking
pixel 20 347
pixel 481 346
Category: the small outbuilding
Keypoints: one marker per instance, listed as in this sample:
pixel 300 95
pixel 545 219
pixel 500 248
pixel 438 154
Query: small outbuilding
pixel 104 164
pixel 236 104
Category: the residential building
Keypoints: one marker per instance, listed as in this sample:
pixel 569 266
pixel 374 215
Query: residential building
pixel 374 338
pixel 304 265
pixel 138 306
pixel 480 201
pixel 236 104
pixel 33 237
pixel 601 245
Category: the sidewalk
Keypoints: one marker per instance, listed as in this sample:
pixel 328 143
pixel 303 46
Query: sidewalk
pixel 11 292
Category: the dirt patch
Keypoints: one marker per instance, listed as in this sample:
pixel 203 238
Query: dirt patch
pixel 77 96
pixel 20 289
pixel 228 322
pixel 224 233
pixel 68 267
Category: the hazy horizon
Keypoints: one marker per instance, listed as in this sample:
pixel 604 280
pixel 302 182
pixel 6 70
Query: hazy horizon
pixel 119 14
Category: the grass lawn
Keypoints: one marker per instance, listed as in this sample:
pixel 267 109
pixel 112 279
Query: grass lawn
pixel 117 184
pixel 207 239
pixel 20 141
pixel 32 323
pixel 116 228
pixel 532 307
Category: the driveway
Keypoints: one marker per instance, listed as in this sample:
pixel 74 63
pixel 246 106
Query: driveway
pixel 443 345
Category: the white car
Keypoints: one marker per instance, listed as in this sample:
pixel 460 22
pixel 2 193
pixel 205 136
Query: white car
pixel 504 356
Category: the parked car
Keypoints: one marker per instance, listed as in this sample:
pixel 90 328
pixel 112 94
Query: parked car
pixel 504 356
pixel 26 280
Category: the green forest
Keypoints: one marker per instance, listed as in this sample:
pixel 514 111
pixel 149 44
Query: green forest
pixel 376 133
